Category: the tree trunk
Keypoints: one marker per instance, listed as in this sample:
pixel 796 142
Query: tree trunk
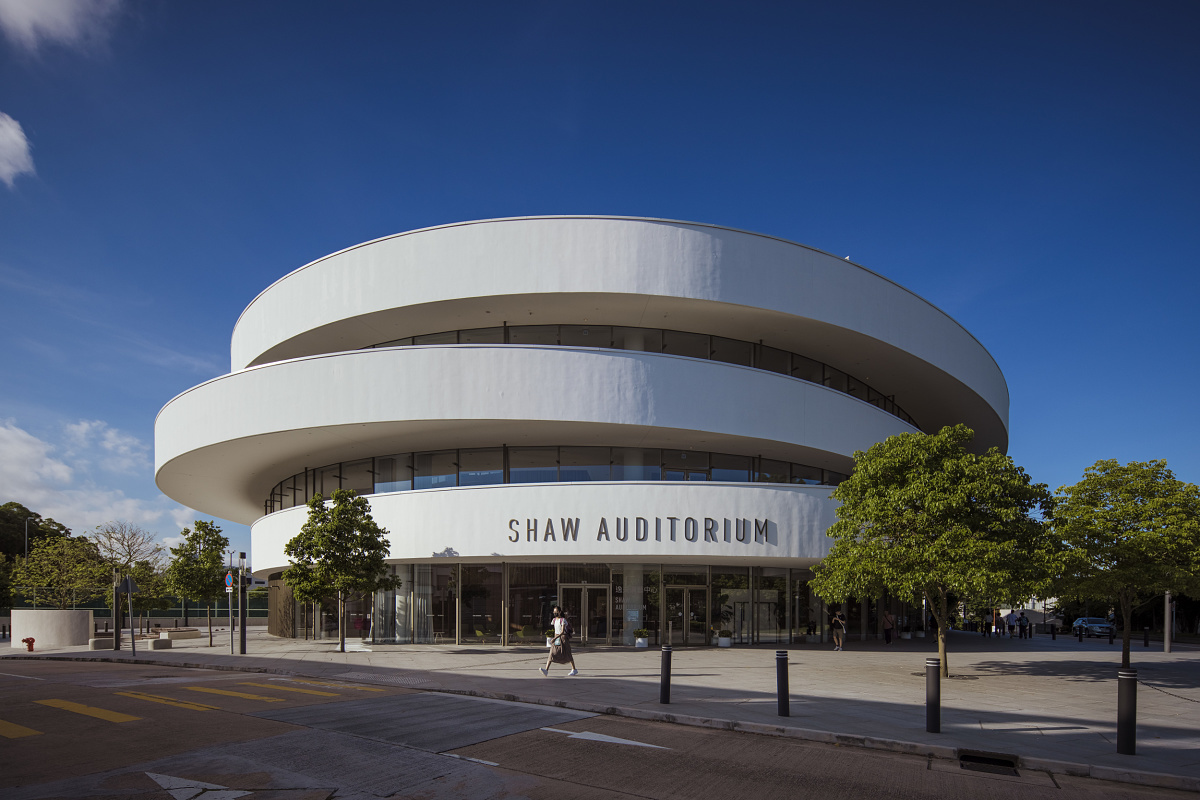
pixel 341 622
pixel 1127 615
pixel 209 607
pixel 941 613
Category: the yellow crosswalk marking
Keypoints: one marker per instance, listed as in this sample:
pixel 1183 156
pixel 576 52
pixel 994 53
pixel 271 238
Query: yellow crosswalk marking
pixel 91 711
pixel 11 730
pixel 291 689
pixel 228 693
pixel 339 685
pixel 170 701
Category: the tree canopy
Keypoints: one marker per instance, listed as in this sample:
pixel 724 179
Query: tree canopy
pixel 123 544
pixel 340 550
pixel 12 529
pixel 924 519
pixel 1131 531
pixel 196 568
pixel 63 570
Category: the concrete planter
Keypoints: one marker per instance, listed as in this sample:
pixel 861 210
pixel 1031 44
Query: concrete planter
pixel 641 641
pixel 51 627
pixel 905 635
pixel 812 638
pixel 724 641
pixel 919 634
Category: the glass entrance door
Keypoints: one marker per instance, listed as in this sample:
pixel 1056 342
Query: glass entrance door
pixel 587 607
pixel 686 619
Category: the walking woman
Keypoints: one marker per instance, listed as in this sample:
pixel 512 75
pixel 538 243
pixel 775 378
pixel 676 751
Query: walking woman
pixel 560 647
pixel 838 626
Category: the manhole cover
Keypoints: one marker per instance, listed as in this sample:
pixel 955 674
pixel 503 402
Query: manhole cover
pixel 992 763
pixel 393 680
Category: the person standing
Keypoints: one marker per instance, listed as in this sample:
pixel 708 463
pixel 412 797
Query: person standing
pixel 1023 625
pixel 889 624
pixel 560 645
pixel 838 626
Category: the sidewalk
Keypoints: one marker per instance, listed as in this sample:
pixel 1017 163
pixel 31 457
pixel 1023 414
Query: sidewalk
pixel 1052 703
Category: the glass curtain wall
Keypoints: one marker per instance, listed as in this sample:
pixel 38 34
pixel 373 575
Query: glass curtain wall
pixel 532 592
pixel 731 602
pixel 481 596
pixel 770 605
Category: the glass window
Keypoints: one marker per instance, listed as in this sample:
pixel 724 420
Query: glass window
pixel 834 478
pixel 481 597
pixel 731 351
pixel 685 459
pixel 806 369
pixel 396 342
pixel 393 473
pixel 636 464
pixel 647 340
pixel 435 470
pixel 449 337
pixel 674 475
pixel 856 388
pixel 835 379
pixel 584 573
pixel 693 345
pixel 772 471
pixel 481 467
pixel 685 575
pixel 697 476
pixel 533 464
pixel 358 477
pixel 583 464
pixel 481 336
pixel 532 593
pixel 328 479
pixel 805 474
pixel 533 334
pixel 585 335
pixel 769 358
pixel 730 468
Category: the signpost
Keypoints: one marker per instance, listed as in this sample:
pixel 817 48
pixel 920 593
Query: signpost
pixel 229 599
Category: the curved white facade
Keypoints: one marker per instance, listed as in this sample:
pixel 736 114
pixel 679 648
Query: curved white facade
pixel 326 371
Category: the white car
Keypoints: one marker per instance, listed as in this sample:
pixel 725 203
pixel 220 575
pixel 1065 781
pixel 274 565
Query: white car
pixel 1091 626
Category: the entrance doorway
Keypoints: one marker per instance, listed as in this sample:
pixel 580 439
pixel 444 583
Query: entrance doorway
pixel 587 606
pixel 686 618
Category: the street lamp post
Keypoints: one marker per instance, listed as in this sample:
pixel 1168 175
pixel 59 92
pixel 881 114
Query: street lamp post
pixel 27 535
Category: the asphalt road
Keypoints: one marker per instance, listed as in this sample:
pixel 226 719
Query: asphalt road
pixel 76 730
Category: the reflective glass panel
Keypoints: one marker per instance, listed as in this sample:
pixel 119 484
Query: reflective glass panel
pixel 693 345
pixel 583 464
pixel 771 359
pixel 835 378
pixel 532 593
pixel 803 474
pixel 393 473
pixel 585 335
pixel 635 464
pixel 731 351
pixel 358 477
pixel 685 459
pixel 435 470
pixel 583 573
pixel 533 334
pixel 482 336
pixel 730 468
pixel 806 369
pixel 481 596
pixel 770 471
pixel 647 340
pixel 481 467
pixel 533 464
pixel 449 337
pixel 328 479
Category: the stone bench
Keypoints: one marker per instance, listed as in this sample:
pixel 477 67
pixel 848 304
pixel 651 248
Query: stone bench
pixel 185 633
pixel 160 644
pixel 100 644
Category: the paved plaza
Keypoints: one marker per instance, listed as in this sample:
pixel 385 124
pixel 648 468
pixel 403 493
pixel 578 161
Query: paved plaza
pixel 1052 703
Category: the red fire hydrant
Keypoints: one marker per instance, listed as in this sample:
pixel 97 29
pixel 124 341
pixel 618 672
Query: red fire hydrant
pixel 28 640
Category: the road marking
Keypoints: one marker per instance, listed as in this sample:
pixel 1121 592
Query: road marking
pixel 600 737
pixel 187 788
pixel 26 677
pixel 334 685
pixel 292 689
pixel 476 760
pixel 170 701
pixel 11 730
pixel 234 694
pixel 91 711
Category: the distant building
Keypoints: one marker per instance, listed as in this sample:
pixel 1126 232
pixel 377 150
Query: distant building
pixel 639 419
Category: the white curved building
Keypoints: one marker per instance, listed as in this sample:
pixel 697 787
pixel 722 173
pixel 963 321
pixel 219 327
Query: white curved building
pixel 640 419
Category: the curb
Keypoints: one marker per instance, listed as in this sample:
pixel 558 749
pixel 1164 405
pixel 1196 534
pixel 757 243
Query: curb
pixel 1158 780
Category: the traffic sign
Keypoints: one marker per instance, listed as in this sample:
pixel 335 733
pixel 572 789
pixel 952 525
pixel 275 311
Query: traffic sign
pixel 229 579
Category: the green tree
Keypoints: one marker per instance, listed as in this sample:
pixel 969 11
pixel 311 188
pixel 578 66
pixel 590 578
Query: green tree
pixel 340 551
pixel 64 570
pixel 1131 531
pixel 13 518
pixel 6 567
pixel 196 569
pixel 926 520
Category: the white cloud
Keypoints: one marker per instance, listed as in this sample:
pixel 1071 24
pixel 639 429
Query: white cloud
pixel 15 158
pixel 73 23
pixel 57 484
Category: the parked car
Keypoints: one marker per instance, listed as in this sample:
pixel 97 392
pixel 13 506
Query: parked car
pixel 1091 626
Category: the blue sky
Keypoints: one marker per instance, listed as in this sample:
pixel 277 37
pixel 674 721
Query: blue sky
pixel 1029 167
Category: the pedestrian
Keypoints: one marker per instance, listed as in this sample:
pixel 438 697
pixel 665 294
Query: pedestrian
pixel 560 645
pixel 1023 624
pixel 1010 619
pixel 838 626
pixel 889 622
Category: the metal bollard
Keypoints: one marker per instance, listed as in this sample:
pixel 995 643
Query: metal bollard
pixel 1054 633
pixel 664 685
pixel 781 683
pixel 933 695
pixel 1080 632
pixel 1127 712
pixel 1111 634
pixel 1145 637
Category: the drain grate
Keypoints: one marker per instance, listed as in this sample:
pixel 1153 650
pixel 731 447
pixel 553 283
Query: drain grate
pixel 992 763
pixel 394 680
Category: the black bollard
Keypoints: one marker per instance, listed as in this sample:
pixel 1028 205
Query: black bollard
pixel 1054 633
pixel 1127 712
pixel 664 685
pixel 1111 633
pixel 781 683
pixel 1080 633
pixel 933 695
pixel 1145 637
